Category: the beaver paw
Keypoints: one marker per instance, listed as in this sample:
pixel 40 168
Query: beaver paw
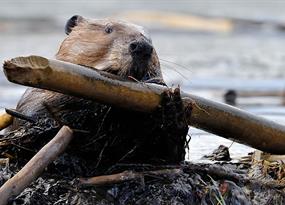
pixel 172 112
pixel 173 126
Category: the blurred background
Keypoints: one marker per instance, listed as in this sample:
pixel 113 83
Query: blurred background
pixel 212 48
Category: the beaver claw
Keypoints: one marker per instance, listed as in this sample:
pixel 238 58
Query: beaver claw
pixel 172 109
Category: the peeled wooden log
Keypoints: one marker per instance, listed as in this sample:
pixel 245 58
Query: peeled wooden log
pixel 36 165
pixel 5 120
pixel 217 118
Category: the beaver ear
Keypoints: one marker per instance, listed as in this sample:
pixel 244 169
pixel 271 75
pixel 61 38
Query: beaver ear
pixel 72 22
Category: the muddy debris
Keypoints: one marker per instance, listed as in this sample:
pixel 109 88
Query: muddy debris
pixel 187 187
pixel 220 154
pixel 223 183
pixel 93 153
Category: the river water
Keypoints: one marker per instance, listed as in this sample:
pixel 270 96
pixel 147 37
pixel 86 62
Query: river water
pixel 249 57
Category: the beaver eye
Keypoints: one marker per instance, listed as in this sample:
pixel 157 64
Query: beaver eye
pixel 108 29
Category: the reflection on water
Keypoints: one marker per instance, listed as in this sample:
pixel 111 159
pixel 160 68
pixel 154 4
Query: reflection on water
pixel 204 63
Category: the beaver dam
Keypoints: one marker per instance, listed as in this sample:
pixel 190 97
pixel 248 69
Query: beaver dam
pixel 117 134
pixel 76 174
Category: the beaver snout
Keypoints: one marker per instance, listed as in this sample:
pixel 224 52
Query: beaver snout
pixel 141 49
pixel 141 52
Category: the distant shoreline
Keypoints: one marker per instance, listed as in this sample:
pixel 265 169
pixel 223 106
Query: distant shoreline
pixel 155 21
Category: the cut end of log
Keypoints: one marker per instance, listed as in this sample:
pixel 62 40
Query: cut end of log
pixel 35 62
pixel 21 65
pixel 19 69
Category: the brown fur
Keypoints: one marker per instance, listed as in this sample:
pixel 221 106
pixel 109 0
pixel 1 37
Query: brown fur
pixel 88 44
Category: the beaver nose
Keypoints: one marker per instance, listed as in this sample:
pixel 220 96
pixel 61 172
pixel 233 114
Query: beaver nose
pixel 141 48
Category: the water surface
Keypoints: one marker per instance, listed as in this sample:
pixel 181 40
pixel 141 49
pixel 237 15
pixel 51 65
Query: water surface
pixel 204 63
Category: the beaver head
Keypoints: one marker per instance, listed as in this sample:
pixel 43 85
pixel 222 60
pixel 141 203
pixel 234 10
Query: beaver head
pixel 114 46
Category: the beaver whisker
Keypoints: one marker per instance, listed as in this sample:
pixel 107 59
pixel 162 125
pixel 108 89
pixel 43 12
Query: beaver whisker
pixel 175 70
pixel 154 79
pixel 181 66
pixel 124 69
pixel 153 76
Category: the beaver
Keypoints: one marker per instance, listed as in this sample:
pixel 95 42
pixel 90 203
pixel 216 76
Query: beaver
pixel 106 135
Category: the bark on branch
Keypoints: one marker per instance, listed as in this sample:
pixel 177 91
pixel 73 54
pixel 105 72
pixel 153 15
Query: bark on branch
pixel 125 176
pixel 216 118
pixel 36 165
